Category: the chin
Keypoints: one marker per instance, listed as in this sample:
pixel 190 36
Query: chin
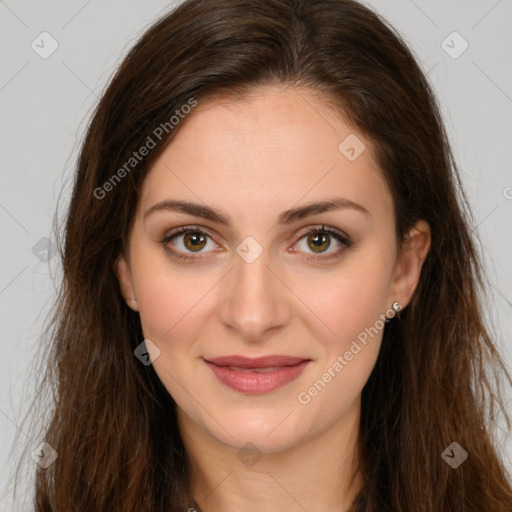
pixel 269 431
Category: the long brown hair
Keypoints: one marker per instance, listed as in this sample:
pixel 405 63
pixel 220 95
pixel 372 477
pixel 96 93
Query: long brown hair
pixel 438 376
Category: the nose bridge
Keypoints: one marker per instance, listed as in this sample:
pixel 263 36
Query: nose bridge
pixel 255 300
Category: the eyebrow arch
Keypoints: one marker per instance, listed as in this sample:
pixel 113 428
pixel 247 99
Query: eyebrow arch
pixel 286 217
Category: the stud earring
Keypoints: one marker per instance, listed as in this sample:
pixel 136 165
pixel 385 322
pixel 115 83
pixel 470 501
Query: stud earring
pixel 396 308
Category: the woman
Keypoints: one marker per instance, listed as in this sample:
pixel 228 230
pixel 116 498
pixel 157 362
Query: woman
pixel 325 348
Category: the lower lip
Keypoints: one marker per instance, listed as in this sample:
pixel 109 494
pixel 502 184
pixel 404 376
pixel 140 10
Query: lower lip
pixel 257 382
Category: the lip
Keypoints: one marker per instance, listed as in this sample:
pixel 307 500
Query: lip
pixel 256 375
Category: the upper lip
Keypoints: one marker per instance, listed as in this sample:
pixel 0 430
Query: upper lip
pixel 257 362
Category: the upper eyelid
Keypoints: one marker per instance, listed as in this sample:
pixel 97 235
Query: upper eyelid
pixel 324 227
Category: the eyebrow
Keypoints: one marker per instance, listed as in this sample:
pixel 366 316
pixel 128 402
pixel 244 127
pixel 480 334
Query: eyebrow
pixel 286 217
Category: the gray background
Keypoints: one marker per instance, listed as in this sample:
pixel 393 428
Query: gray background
pixel 46 102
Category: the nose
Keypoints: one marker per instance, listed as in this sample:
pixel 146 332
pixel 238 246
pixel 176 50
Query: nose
pixel 255 299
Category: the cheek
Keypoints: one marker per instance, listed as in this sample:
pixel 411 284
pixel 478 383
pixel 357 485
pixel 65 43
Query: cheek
pixel 172 311
pixel 157 289
pixel 348 300
pixel 173 303
pixel 353 308
pixel 169 306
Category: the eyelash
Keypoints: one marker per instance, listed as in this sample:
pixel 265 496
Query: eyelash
pixel 343 240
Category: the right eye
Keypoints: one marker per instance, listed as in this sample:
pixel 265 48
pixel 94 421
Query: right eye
pixel 193 240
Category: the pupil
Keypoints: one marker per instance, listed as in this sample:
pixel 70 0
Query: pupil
pixel 318 237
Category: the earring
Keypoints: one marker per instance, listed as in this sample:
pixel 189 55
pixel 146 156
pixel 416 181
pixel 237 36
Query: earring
pixel 396 308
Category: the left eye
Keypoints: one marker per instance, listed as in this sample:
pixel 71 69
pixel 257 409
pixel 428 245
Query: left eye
pixel 194 240
pixel 320 239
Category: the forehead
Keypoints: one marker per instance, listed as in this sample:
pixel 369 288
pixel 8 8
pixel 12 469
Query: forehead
pixel 265 152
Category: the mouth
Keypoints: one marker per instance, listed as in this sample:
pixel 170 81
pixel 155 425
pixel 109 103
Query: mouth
pixel 256 375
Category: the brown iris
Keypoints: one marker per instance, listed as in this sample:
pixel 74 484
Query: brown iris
pixel 194 240
pixel 320 241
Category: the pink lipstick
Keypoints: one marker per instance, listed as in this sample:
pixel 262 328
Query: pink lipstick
pixel 256 375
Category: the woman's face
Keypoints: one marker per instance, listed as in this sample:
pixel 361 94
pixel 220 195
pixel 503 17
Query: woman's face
pixel 248 281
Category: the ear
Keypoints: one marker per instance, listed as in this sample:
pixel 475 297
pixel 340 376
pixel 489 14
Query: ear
pixel 124 275
pixel 410 260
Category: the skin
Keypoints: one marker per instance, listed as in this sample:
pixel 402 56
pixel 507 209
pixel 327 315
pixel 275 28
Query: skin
pixel 253 158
